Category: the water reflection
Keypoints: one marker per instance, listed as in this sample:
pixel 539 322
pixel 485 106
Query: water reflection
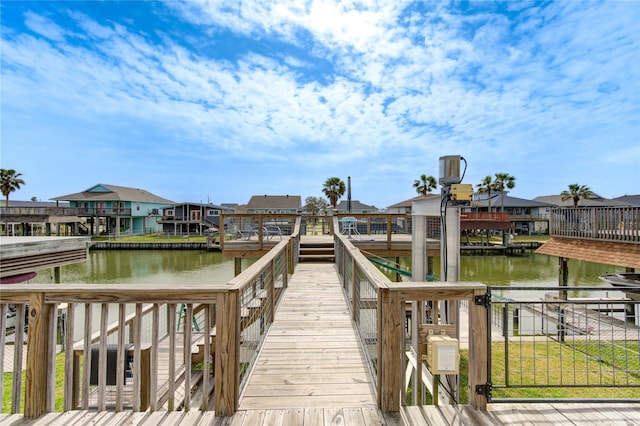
pixel 148 266
pixel 190 266
pixel 528 270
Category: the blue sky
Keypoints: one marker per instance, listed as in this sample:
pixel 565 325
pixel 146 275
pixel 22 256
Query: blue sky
pixel 218 101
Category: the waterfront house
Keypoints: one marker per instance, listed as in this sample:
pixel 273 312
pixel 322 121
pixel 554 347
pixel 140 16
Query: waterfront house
pixel 114 210
pixel 274 204
pixel 594 200
pixel 404 207
pixel 356 207
pixel 192 218
pixel 526 216
pixel 31 218
pixel 630 200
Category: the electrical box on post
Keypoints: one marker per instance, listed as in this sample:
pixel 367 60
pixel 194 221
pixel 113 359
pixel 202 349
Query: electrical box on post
pixel 443 355
pixel 461 192
pixel 449 170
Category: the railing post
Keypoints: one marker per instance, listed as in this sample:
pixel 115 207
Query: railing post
pixel 226 389
pixel 37 361
pixel 390 339
pixel 478 350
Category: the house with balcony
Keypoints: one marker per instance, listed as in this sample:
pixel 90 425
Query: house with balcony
pixel 192 218
pixel 114 210
pixel 526 216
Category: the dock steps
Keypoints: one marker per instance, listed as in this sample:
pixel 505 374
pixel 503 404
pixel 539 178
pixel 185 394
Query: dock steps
pixel 317 252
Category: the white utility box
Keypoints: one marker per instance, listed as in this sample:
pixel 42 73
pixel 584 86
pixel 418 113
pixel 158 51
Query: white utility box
pixel 443 355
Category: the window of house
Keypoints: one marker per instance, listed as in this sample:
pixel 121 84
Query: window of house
pixel 169 212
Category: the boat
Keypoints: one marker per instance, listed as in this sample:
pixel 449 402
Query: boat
pixel 622 279
pixel 14 279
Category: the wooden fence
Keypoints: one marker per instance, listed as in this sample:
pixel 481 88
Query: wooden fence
pixel 596 223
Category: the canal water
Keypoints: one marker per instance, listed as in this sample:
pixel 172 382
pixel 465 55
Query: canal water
pixel 148 266
pixel 201 267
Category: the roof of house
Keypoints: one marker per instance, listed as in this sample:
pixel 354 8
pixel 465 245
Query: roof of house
pixel 355 205
pixel 407 203
pixel 103 192
pixel 510 202
pixel 291 202
pixel 593 201
pixel 633 200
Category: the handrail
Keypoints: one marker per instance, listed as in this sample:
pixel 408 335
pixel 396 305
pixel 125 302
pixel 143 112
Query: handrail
pixel 499 216
pixel 370 293
pixel 230 301
pixel 596 223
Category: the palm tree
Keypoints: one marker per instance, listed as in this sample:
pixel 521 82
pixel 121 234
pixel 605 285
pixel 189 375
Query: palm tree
pixel 485 187
pixel 576 192
pixel 425 185
pixel 9 182
pixel 334 188
pixel 503 181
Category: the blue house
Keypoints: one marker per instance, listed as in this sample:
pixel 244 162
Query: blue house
pixel 115 210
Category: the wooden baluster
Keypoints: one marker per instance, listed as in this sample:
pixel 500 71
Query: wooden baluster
pixel 172 357
pixel 206 363
pixel 137 360
pixel 71 370
pixel 186 355
pixel 102 357
pixel 86 356
pixel 18 344
pixel 122 357
pixel 154 358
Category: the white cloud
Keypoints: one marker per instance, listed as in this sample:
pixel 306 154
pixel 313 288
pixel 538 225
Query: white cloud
pixel 44 27
pixel 498 91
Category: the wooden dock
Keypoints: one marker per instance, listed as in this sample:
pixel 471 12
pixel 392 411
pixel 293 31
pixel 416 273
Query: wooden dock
pixel 311 371
pixel 312 356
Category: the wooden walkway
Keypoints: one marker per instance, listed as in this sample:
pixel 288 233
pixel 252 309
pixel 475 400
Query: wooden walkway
pixel 312 356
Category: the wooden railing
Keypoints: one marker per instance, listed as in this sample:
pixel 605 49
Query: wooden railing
pixel 378 308
pixel 596 223
pixel 485 216
pixel 38 211
pixel 236 316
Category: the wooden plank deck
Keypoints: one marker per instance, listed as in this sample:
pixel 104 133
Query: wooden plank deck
pixel 496 414
pixel 312 356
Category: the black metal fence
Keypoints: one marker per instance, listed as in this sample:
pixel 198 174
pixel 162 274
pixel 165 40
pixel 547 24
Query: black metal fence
pixel 545 347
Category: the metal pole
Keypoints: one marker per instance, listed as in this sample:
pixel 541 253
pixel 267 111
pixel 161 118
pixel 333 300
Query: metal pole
pixel 349 194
